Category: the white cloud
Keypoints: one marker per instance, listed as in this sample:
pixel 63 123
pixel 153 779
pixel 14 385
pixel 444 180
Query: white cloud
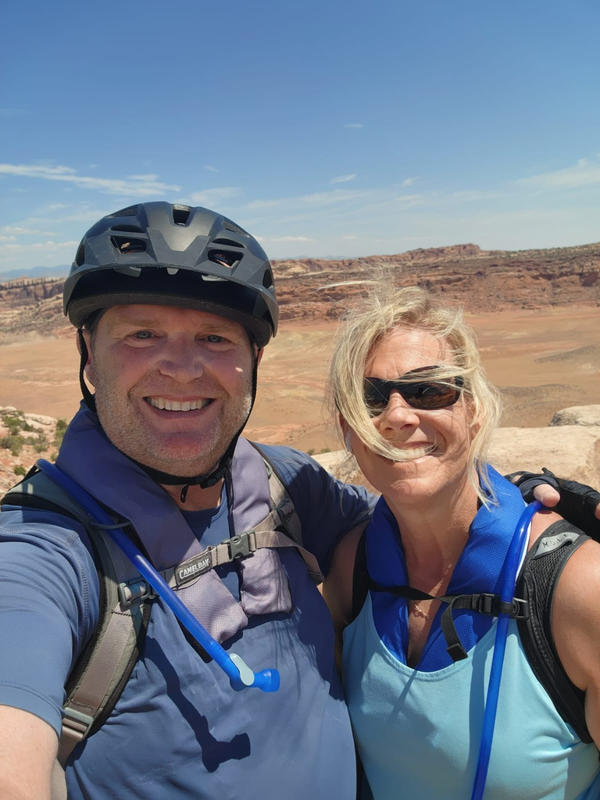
pixel 344 178
pixel 474 195
pixel 583 173
pixel 48 253
pixel 210 168
pixel 21 230
pixel 215 196
pixel 289 239
pixel 136 186
pixel 48 245
pixel 315 199
pixel 408 182
pixel 149 177
pixel 354 125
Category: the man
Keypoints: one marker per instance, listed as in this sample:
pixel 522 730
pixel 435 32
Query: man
pixel 174 306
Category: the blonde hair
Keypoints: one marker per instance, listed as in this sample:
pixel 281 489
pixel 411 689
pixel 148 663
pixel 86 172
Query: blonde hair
pixel 384 310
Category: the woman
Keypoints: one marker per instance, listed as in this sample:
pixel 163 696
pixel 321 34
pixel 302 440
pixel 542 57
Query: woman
pixel 417 412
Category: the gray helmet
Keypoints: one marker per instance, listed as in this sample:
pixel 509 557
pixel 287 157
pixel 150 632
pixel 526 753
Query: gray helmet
pixel 164 254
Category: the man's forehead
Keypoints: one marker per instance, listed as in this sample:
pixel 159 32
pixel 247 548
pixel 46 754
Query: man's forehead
pixel 141 313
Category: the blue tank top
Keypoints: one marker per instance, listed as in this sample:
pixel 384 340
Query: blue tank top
pixel 418 730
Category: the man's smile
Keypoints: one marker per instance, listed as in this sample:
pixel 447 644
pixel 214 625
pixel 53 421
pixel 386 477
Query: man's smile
pixel 165 404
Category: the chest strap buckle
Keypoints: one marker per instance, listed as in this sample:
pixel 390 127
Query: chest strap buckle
pixel 242 545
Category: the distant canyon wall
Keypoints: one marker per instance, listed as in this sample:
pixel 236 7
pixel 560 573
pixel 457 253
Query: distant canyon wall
pixel 478 280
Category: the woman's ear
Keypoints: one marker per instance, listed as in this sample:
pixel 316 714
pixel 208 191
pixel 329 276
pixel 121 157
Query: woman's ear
pixel 474 418
pixel 346 432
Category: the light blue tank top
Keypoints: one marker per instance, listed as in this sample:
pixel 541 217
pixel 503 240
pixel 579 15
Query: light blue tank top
pixel 418 732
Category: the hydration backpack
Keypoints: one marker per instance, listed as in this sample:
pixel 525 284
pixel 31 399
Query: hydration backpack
pixel 531 608
pixel 105 664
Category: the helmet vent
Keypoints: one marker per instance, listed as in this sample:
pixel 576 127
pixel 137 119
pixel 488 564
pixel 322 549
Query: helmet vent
pixel 125 245
pixel 181 214
pixel 224 258
pixel 227 242
pixel 268 279
pixel 128 228
pixel 130 211
pixel 230 226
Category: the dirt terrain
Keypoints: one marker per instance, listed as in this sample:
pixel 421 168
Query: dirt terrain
pixel 543 360
pixel 536 312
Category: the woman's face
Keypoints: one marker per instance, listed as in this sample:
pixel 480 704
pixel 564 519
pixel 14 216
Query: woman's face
pixel 436 441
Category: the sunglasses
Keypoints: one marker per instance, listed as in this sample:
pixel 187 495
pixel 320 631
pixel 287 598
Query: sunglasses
pixel 422 394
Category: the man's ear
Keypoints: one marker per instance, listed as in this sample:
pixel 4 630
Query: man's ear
pixel 84 345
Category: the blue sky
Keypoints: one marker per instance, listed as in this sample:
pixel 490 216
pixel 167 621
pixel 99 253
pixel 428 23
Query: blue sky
pixel 325 128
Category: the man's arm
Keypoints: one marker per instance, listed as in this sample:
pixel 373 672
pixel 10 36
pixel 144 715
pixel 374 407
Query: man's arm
pixel 48 610
pixel 28 748
pixel 576 627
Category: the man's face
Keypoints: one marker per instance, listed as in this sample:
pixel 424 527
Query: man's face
pixel 173 386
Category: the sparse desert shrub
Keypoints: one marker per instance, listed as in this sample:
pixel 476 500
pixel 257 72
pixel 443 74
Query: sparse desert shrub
pixel 16 422
pixel 39 442
pixel 18 469
pixel 13 442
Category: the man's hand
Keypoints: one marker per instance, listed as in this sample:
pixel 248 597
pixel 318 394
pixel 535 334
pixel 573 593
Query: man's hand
pixel 576 502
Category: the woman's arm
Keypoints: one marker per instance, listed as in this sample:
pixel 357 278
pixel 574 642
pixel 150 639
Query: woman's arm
pixel 576 627
pixel 337 588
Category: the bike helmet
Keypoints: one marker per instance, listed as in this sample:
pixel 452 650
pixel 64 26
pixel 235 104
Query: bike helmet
pixel 164 254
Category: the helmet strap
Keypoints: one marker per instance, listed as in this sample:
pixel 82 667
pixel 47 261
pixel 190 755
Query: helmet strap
pixel 206 480
pixel 222 467
pixel 88 397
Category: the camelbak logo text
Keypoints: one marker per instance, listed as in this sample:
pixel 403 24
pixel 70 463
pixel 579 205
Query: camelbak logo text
pixel 188 571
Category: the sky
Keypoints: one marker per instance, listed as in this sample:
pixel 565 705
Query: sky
pixel 327 128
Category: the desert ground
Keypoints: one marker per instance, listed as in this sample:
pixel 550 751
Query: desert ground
pixel 542 360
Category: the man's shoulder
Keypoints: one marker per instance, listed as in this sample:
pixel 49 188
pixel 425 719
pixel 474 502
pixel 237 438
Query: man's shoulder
pixel 295 467
pixel 281 454
pixel 46 533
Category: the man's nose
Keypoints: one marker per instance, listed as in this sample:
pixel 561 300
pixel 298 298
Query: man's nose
pixel 182 359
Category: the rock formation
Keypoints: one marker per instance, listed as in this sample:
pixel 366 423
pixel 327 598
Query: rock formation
pixel 571 449
pixel 479 280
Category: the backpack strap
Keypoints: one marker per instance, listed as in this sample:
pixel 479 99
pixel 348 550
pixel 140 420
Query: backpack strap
pixel 481 602
pixel 284 520
pixel 265 534
pixel 360 577
pixel 541 570
pixel 105 663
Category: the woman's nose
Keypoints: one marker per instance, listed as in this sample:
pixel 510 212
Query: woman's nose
pixel 397 414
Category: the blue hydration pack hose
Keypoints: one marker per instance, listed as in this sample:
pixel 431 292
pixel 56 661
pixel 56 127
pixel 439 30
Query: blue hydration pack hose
pixel 507 593
pixel 239 673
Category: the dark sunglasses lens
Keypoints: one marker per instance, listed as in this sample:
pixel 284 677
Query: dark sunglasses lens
pixel 375 394
pixel 430 395
pixel 426 395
